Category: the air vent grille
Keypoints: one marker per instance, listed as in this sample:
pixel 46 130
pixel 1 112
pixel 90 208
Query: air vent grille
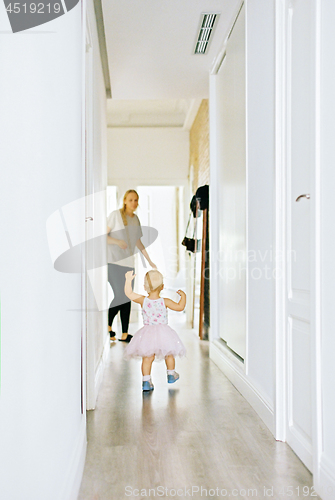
pixel 205 32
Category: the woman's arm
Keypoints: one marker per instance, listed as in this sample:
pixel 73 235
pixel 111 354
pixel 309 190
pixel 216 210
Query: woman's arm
pixel 142 249
pixel 135 297
pixel 176 306
pixel 113 241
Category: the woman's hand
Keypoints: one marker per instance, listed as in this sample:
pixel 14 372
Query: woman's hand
pixel 114 241
pixel 122 244
pixel 152 264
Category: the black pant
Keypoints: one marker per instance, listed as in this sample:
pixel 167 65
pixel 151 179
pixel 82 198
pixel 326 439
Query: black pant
pixel 117 280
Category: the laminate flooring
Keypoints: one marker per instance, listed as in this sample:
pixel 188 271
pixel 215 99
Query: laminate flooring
pixel 198 438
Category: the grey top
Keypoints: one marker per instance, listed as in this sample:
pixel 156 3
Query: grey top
pixel 130 234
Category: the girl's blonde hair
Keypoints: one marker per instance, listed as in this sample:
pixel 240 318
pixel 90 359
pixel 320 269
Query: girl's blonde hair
pixel 153 280
pixel 123 209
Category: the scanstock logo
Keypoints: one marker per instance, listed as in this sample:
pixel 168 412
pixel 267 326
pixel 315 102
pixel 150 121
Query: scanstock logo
pixel 26 14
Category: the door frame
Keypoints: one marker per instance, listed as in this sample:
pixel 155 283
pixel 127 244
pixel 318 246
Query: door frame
pixel 281 360
pixel 83 340
pixel 88 141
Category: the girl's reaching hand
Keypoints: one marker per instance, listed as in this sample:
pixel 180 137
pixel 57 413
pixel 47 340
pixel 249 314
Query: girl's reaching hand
pixel 130 276
pixel 177 306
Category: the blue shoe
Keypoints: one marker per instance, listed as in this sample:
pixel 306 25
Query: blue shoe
pixel 173 378
pixel 147 385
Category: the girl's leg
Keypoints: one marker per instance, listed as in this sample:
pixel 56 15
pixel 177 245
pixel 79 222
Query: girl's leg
pixel 147 384
pixel 172 375
pixel 170 362
pixel 146 365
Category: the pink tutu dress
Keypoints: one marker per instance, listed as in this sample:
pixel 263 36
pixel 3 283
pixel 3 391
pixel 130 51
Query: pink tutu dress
pixel 155 337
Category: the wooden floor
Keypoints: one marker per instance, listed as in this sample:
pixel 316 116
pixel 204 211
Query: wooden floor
pixel 197 433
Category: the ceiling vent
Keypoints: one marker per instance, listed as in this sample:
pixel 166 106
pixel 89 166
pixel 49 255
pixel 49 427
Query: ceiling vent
pixel 207 23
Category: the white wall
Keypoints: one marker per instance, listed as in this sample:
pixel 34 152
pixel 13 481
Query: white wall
pixel 254 378
pixel 147 156
pixel 42 429
pixel 326 474
pixel 260 59
pixel 163 251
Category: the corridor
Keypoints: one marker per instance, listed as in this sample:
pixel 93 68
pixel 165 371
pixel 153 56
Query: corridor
pixel 198 433
pixel 115 95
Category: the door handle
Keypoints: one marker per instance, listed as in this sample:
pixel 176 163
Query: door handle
pixel 88 218
pixel 303 196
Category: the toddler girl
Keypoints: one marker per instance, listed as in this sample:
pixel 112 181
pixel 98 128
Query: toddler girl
pixel 155 339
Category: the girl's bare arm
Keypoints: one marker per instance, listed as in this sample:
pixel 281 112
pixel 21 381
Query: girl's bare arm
pixel 135 297
pixel 176 306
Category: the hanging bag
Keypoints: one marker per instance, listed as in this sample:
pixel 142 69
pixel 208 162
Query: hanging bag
pixel 192 244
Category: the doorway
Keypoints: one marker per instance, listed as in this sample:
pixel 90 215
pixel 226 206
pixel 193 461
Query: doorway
pixel 162 208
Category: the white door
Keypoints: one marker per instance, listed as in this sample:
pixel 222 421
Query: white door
pixel 300 164
pixel 231 162
pixel 89 226
pixel 95 280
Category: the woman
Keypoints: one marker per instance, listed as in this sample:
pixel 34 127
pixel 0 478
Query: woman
pixel 124 234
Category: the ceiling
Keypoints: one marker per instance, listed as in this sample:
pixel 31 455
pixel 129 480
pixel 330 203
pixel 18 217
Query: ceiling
pixel 150 45
pixel 152 113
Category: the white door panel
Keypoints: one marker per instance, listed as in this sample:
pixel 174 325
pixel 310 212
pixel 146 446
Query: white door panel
pixel 299 369
pixel 300 142
pixel 232 165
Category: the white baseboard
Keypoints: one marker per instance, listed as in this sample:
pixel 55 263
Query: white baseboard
pixel 301 444
pixel 224 360
pixel 76 466
pixel 100 370
pixel 325 484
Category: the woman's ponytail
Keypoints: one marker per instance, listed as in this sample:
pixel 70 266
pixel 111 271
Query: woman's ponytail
pixel 123 215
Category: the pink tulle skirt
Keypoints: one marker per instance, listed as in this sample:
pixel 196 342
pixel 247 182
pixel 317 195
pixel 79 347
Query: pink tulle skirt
pixel 160 340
